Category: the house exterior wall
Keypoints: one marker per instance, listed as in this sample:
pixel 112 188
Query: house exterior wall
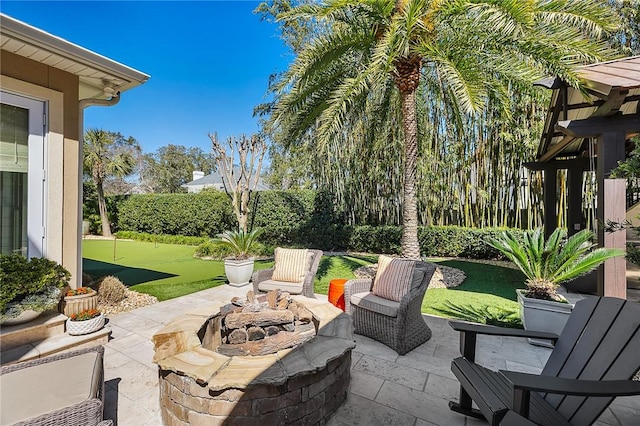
pixel 60 91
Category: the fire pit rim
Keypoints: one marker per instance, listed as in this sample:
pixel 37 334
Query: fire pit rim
pixel 179 349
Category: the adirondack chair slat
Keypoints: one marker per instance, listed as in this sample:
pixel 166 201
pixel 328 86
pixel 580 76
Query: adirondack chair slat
pixel 570 335
pixel 622 369
pixel 601 342
pixel 613 347
pixel 603 318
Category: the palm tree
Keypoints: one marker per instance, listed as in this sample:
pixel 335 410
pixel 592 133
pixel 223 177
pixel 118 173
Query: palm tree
pixel 107 154
pixel 370 57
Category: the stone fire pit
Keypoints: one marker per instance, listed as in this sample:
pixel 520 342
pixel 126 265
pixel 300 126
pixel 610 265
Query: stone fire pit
pixel 304 384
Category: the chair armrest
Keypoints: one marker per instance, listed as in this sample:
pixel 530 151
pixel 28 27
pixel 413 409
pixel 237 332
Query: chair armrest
pixel 259 276
pixel 351 287
pixel 578 387
pixel 492 330
pixel 468 333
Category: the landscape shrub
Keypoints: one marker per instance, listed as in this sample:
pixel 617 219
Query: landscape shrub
pixel 375 239
pixel 204 215
pixel 456 241
pixel 282 215
pixel 111 289
pixel 161 238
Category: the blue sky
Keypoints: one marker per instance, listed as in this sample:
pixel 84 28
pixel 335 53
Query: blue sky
pixel 209 63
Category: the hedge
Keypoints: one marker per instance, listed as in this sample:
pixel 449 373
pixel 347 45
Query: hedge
pixel 290 218
pixel 203 215
pixel 162 238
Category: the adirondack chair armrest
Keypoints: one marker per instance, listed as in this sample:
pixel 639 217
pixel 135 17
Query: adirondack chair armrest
pixel 469 331
pixel 524 383
pixel 578 387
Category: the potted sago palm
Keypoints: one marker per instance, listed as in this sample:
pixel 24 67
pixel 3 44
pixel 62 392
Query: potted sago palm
pixel 546 265
pixel 238 266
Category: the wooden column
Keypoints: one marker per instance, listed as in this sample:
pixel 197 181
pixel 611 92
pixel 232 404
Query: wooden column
pixel 550 200
pixel 612 276
pixel 612 279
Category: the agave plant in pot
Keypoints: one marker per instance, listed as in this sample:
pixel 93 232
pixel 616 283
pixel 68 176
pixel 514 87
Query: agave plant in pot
pixel 29 287
pixel 546 265
pixel 238 266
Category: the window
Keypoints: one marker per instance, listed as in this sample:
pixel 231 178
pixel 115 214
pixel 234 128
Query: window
pixel 22 156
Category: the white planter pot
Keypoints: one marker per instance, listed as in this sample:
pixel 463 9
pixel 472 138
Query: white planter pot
pixel 238 271
pixel 77 328
pixel 543 315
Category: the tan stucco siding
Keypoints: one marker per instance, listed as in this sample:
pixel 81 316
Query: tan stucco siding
pixel 60 90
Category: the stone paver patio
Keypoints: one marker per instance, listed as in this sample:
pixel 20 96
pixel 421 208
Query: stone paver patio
pixel 386 389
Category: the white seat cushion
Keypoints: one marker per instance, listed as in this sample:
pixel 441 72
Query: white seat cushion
pixel 268 285
pixel 371 302
pixel 43 388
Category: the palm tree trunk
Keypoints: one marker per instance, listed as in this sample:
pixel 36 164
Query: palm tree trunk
pixel 102 207
pixel 409 243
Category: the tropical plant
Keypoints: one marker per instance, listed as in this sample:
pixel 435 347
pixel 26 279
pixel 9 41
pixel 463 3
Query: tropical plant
pixel 33 284
pixel 363 69
pixel 240 244
pixel 107 154
pixel 547 264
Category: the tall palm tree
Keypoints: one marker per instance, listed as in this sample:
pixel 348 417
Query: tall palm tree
pixel 107 154
pixel 370 57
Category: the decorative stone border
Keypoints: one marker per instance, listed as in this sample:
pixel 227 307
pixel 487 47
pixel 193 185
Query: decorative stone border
pixel 199 386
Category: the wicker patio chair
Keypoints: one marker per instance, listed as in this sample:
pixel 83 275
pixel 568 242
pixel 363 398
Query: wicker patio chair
pixel 397 324
pixel 285 278
pixel 65 389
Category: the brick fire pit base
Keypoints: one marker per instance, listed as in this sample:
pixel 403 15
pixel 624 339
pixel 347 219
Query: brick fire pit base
pixel 303 385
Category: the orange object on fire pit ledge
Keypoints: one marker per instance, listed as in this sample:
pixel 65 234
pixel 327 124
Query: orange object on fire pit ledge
pixel 336 292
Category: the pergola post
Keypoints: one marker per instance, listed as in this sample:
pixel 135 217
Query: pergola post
pixel 550 200
pixel 612 280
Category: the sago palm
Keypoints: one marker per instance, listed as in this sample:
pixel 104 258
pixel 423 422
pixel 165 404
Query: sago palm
pixel 547 264
pixel 368 59
pixel 239 242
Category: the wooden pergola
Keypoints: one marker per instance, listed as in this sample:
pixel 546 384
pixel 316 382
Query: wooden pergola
pixel 586 131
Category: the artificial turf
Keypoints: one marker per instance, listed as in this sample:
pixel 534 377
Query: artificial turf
pixel 168 271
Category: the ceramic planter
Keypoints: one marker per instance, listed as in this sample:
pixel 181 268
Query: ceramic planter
pixel 25 316
pixel 79 303
pixel 77 328
pixel 543 315
pixel 238 271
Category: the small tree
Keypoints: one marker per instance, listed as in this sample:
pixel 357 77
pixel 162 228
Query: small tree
pixel 107 154
pixel 242 177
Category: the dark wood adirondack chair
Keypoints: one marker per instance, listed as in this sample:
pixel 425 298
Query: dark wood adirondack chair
pixel 593 361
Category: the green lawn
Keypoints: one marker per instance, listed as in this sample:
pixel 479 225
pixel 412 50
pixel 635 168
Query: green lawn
pixel 167 271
